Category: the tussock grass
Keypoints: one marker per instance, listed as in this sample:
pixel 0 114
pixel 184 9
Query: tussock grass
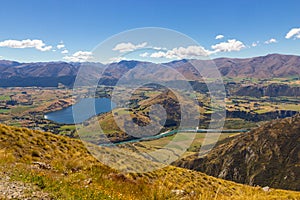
pixel 75 174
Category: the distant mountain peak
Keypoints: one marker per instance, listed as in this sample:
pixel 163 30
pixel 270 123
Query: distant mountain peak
pixel 267 66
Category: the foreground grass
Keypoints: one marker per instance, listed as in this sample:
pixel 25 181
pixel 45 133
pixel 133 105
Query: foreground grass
pixel 75 174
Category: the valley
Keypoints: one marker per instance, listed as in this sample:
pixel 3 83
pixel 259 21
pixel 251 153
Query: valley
pixel 27 107
pixel 258 140
pixel 149 100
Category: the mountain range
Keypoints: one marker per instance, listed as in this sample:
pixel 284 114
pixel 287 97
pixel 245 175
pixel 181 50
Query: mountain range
pixel 13 73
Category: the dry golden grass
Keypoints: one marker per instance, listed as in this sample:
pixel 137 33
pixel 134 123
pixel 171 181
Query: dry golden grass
pixel 75 174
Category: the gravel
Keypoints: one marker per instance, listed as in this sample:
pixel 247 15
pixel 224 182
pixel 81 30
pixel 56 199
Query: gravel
pixel 18 190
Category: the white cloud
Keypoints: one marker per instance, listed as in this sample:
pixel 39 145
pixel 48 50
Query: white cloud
pixel 293 33
pixel 158 48
pixel 79 56
pixel 1 57
pixel 21 44
pixel 60 46
pixel 218 37
pixel 254 44
pixel 46 48
pixel 189 52
pixel 270 41
pixel 199 51
pixel 146 54
pixel 230 45
pixel 182 52
pixel 159 54
pixel 65 51
pixel 127 47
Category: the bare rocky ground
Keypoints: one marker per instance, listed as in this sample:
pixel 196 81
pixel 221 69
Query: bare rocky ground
pixel 18 190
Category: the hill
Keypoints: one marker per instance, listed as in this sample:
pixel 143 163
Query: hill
pixel 38 74
pixel 138 113
pixel 44 74
pixel 266 156
pixel 269 66
pixel 42 164
pixel 271 90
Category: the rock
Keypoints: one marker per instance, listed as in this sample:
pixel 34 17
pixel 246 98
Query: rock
pixel 88 181
pixel 120 177
pixel 42 165
pixel 114 176
pixel 266 189
pixel 178 192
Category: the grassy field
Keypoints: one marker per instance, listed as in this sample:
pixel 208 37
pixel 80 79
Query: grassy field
pixel 4 97
pixel 263 104
pixel 3 111
pixel 184 138
pixel 295 107
pixel 67 127
pixel 18 110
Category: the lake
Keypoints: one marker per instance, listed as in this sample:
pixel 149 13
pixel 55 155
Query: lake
pixel 83 110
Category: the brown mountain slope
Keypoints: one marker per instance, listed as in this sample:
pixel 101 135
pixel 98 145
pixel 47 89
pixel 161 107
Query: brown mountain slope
pixel 269 66
pixel 266 156
pixel 50 69
pixel 273 65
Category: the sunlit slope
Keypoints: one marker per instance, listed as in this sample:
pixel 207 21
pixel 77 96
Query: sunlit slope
pixel 268 155
pixel 68 171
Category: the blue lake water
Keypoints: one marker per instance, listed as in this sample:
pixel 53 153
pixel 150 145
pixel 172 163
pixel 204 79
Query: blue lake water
pixel 83 110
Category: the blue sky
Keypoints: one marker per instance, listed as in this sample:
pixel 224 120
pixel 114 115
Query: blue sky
pixel 31 30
